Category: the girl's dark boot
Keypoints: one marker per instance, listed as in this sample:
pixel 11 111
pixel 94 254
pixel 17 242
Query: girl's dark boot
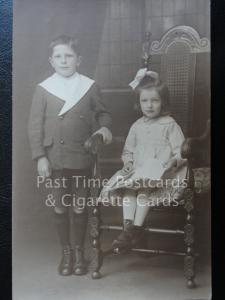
pixel 123 242
pixel 137 235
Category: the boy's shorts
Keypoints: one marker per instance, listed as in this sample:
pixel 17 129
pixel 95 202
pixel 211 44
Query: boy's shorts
pixel 70 188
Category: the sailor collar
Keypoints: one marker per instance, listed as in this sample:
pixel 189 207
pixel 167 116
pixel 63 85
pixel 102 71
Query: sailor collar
pixel 70 90
pixel 163 120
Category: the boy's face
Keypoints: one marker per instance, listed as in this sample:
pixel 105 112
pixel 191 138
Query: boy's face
pixel 64 60
pixel 151 103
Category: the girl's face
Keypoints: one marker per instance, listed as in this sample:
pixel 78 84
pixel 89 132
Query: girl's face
pixel 151 103
pixel 64 60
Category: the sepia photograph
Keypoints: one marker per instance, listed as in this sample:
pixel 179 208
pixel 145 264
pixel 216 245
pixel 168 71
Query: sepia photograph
pixel 111 150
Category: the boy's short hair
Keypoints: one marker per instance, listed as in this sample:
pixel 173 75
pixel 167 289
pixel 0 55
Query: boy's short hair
pixel 150 82
pixel 65 40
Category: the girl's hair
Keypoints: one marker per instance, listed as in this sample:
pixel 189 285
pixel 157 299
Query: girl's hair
pixel 149 82
pixel 64 40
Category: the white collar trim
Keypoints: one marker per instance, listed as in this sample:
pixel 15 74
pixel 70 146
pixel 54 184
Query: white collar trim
pixel 161 120
pixel 70 90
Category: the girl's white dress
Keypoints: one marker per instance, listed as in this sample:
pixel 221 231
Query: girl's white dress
pixel 150 144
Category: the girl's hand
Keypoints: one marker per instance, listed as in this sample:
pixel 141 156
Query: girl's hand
pixel 43 167
pixel 128 167
pixel 170 164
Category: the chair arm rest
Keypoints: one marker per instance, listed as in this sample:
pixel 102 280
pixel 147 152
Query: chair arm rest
pixel 93 144
pixel 197 147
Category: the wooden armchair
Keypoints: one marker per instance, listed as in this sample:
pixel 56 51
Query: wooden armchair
pixel 177 51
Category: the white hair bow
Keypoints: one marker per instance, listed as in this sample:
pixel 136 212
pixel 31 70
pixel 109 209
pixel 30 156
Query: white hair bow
pixel 140 75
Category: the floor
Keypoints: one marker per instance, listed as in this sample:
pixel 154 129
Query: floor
pixel 36 255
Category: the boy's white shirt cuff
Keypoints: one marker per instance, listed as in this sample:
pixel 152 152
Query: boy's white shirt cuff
pixel 106 134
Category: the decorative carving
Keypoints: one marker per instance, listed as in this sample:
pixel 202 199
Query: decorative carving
pixel 94 231
pixel 189 267
pixel 189 260
pixel 94 143
pixel 146 56
pixel 95 222
pixel 187 35
pixel 97 258
pixel 188 200
pixel 189 234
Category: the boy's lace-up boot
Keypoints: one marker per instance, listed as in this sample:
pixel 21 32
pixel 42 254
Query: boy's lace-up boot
pixel 66 264
pixel 80 267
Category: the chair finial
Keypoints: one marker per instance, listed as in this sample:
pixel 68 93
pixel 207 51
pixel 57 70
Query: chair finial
pixel 146 57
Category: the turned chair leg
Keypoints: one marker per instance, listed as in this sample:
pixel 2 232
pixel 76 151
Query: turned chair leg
pixel 97 261
pixel 189 260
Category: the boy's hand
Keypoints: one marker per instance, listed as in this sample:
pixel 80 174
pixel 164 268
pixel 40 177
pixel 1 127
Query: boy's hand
pixel 106 135
pixel 128 167
pixel 43 167
pixel 170 164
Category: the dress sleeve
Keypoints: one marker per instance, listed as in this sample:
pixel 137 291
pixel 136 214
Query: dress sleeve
pixel 129 147
pixel 102 115
pixel 176 139
pixel 36 124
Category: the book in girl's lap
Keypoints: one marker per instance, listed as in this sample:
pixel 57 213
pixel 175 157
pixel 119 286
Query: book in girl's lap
pixel 151 154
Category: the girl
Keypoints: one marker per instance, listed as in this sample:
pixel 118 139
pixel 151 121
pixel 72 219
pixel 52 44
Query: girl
pixel 151 154
pixel 62 111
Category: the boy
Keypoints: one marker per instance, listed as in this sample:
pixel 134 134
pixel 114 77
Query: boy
pixel 61 120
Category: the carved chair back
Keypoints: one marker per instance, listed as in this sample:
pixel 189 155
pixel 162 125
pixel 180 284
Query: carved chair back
pixel 178 49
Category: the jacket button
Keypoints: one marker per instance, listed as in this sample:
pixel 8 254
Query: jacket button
pixel 61 141
pixel 81 117
pixel 61 117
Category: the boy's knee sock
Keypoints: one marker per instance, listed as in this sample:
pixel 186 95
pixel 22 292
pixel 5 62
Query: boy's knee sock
pixel 62 223
pixel 80 226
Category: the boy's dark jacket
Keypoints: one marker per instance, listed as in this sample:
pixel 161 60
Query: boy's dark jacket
pixel 62 138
